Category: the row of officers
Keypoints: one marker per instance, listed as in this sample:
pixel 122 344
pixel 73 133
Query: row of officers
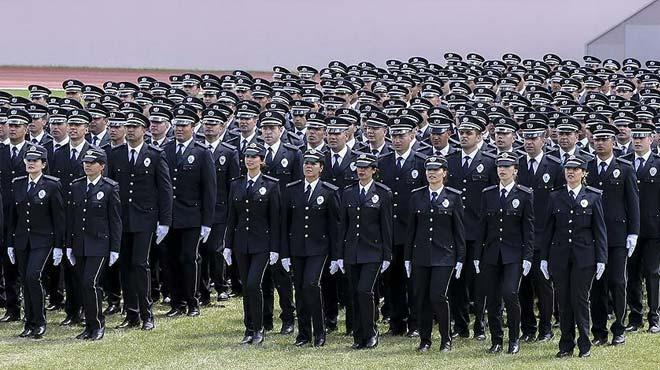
pixel 498 230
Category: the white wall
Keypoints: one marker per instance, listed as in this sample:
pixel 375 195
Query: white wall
pixel 256 34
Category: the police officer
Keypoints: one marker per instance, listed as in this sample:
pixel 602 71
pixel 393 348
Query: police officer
pixel 194 192
pixel 366 229
pixel 567 132
pixel 470 170
pixel 145 190
pixel 94 228
pixel 247 113
pixel 310 227
pixel 435 212
pixel 36 226
pixel 617 179
pixel 253 234
pixel 505 244
pixel 573 249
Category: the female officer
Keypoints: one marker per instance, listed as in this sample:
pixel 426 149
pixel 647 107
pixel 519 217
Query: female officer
pixel 36 225
pixel 505 246
pixel 253 230
pixel 366 229
pixel 310 209
pixel 435 245
pixel 575 242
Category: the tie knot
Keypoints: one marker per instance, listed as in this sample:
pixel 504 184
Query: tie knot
pixel 308 188
pixel 32 183
pixel 132 151
pixel 503 192
pixel 336 155
pixel 250 182
pixel 434 194
pixel 533 160
pixel 603 164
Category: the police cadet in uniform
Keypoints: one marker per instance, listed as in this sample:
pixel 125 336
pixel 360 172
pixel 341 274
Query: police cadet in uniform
pixel 253 234
pixel 284 162
pixel 505 245
pixel 616 178
pixel 470 170
pixel 645 260
pixel 573 249
pixel 145 190
pixel 194 191
pixel 310 229
pixel 541 172
pixel 435 212
pixel 402 170
pixel 94 227
pixel 366 231
pixel 36 226
pixel 11 167
pixel 246 115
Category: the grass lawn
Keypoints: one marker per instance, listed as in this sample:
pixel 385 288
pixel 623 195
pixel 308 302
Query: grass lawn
pixel 211 341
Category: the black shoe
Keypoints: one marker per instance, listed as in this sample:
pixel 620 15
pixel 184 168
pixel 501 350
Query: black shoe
pixel 175 312
pixel 319 342
pixel 8 317
pixel 480 336
pixel 86 334
pixel 423 347
pixel 287 328
pixel 247 339
pixel 54 307
pixel 412 333
pixel 599 341
pixel 193 312
pixel 97 334
pixel 128 323
pixel 564 354
pixel 111 310
pixel 545 337
pixel 148 325
pixel 527 338
pixel 223 296
pixel 70 321
pixel 514 347
pixel 445 347
pixel 495 348
pixel 27 332
pixel 585 354
pixel 357 345
pixel 462 334
pixel 655 329
pixel 632 328
pixel 39 332
pixel 258 337
pixel 618 340
pixel 372 342
pixel 301 342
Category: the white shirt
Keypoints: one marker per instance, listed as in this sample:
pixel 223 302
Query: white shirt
pixel 185 145
pixel 444 151
pixel 313 186
pixel 246 139
pixel 318 148
pixel 351 143
pixel 6 141
pixel 160 142
pixel 537 161
pixel 342 154
pixel 62 143
pixel 78 149
pixel 137 150
pixel 38 137
pixel 367 187
pixel 379 149
pixel 98 137
pixel 471 156
pixel 645 156
pixel 213 145
pixel 507 188
pixel 17 146
pixel 35 181
pixel 93 182
pixel 575 191
pixel 404 156
pixel 275 147
pixel 570 153
pixel 254 179
pixel 437 192
pixel 607 161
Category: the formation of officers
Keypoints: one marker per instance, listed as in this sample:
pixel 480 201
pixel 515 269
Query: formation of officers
pixel 414 194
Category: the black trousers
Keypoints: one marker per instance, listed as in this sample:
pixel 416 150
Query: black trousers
pixel 277 278
pixel 212 271
pixel 644 264
pixel 31 264
pixel 183 263
pixel 11 285
pixel 252 267
pixel 73 291
pixel 136 275
pixel 89 272
pixel 309 302
pixel 502 281
pixel 399 294
pixel 612 282
pixel 431 285
pixel 362 278
pixel 54 283
pixel 464 290
pixel 531 286
pixel 573 285
pixel 158 258
pixel 111 283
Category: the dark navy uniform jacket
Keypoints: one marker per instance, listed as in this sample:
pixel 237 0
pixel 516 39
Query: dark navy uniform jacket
pixel 225 159
pixel 94 223
pixel 648 182
pixel 343 175
pixel 366 228
pixel 9 170
pixel 286 165
pixel 435 235
pixel 66 169
pixel 506 232
pixel 310 227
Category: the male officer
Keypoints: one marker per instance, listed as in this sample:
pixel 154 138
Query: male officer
pixel 470 170
pixel 402 170
pixel 567 131
pixel 439 131
pixel 645 260
pixel 93 235
pixel 36 133
pixel 145 187
pixel 617 179
pixel 194 192
pixel 283 162
pixel 98 134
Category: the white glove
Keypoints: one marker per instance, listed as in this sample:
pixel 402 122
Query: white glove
pixel 333 267
pixel 57 256
pixel 459 268
pixel 226 253
pixel 70 256
pixel 526 267
pixel 408 268
pixel 114 256
pixel 286 264
pixel 161 232
pixel 204 233
pixel 340 264
pixel 384 266
pixel 12 256
pixel 476 266
pixel 631 243
pixel 600 268
pixel 274 256
pixel 544 269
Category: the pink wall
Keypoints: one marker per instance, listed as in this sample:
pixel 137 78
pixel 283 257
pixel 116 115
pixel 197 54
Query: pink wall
pixel 254 35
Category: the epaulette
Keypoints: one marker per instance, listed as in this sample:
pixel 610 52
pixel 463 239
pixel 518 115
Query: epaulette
pixel 389 154
pixel 200 145
pixel 489 155
pixel 524 188
pixel 452 190
pixel 595 190
pixel 19 178
pixel 553 158
pixel 114 148
pixel 329 186
pixel 238 178
pixel 382 186
pixel 110 181
pixel 270 178
pixel 79 179
pixel 155 147
pixel 621 160
pixel 418 189
pixel 292 147
pixel 457 152
pixel 228 146
pixel 489 188
pixel 655 155
pixel 293 183
pixel 52 178
pixel 521 152
pixel 421 156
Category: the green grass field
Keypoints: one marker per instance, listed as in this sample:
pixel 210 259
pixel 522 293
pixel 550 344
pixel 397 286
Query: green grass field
pixel 212 341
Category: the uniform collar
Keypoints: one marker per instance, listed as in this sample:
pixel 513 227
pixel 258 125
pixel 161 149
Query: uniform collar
pixel 508 188
pixel 38 137
pixel 342 153
pixel 645 156
pixel 17 146
pixel 608 161
pixel 185 144
pixel 213 145
pixel 576 190
pixel 404 155
pixel 95 181
pixel 36 181
pixel 312 184
pixel 538 158
pixel 275 147
pixel 367 187
pixel 137 148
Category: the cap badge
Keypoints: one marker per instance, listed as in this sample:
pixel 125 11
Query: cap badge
pixel 375 198
pixel 191 159
pixel 320 200
pixel 480 168
pixel 42 194
pixel 99 195
pixel 147 162
pixel 616 173
pixel 515 203
pixel 262 190
pixel 584 203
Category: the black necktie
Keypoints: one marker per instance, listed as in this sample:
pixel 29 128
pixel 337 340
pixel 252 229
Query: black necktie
pixel 531 165
pixel 308 192
pixel 95 140
pixel 434 197
pixel 269 157
pixel 363 195
pixel 133 158
pixel 179 153
pixel 603 167
pixel 14 152
pixel 34 141
pixel 31 187
pixel 74 154
pixel 503 198
pixel 335 165
pixel 466 165
pixel 572 194
pixel 249 187
pixel 57 146
pixel 566 155
pixel 374 152
pixel 90 186
pixel 244 145
pixel 399 162
pixel 640 165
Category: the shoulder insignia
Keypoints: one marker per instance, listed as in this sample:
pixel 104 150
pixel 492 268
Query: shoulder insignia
pixel 382 186
pixel 489 188
pixel 623 161
pixel 109 181
pixel 270 178
pixel 293 183
pixel 79 179
pixel 420 188
pixel 524 188
pixel 552 158
pixel 52 178
pixel 452 190
pixel 228 146
pixel 329 186
pixel 594 190
pixel 19 178
pixel 155 147
pixel 289 146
